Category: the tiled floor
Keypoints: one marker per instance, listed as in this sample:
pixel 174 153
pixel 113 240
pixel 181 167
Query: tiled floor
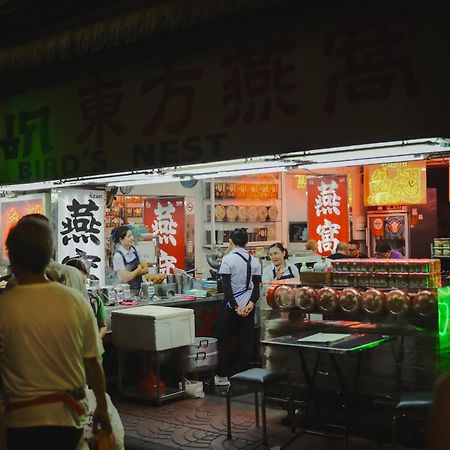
pixel 201 424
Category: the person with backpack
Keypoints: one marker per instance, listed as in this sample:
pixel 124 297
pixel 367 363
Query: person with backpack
pixel 241 277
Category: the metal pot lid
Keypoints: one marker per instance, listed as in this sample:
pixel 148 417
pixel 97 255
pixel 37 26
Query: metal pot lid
pixel 424 303
pixel 397 302
pixel 372 301
pixel 349 300
pixel 284 297
pixel 306 298
pixel 328 299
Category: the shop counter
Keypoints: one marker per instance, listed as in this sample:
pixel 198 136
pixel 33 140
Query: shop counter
pixel 206 310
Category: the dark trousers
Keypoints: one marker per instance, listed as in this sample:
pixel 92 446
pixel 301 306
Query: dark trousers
pixel 230 324
pixel 45 437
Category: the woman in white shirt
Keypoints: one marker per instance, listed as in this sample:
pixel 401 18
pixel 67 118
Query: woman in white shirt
pixel 279 269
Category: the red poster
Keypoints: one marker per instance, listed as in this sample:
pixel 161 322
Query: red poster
pixel 165 218
pixel 377 226
pixel 12 210
pixel 328 220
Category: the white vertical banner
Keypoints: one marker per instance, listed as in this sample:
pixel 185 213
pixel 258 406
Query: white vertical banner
pixel 81 229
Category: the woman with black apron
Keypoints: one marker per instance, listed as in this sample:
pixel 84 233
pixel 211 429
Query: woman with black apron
pixel 127 261
pixel 279 270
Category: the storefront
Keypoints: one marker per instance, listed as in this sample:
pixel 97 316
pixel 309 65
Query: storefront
pixel 230 131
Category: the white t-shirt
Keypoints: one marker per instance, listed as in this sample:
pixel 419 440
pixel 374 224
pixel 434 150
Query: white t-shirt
pixel 234 265
pixel 46 330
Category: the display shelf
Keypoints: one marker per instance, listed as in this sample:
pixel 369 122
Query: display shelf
pixel 251 202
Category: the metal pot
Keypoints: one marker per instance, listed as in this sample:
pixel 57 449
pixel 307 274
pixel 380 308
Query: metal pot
pixel 108 295
pixel 165 289
pixel 147 290
pixel 202 355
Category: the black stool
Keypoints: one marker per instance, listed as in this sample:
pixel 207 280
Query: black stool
pixel 416 404
pixel 260 379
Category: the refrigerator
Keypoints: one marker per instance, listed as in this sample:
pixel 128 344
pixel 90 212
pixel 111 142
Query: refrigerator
pixel 392 226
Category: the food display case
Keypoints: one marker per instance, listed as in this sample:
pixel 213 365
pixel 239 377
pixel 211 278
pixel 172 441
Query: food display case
pixel 401 298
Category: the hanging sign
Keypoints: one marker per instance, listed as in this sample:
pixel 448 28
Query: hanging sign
pixel 403 183
pixel 328 219
pixel 165 218
pixel 81 229
pixel 11 210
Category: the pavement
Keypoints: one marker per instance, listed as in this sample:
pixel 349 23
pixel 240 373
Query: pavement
pixel 201 424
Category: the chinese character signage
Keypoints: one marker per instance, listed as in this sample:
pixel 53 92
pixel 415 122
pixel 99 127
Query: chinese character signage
pixel 168 219
pixel 220 102
pixel 328 219
pixel 81 229
pixel 402 183
pixel 11 210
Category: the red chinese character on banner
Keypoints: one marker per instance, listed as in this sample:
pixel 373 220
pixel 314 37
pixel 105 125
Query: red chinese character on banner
pixel 176 83
pixel 328 220
pixel 371 66
pixel 257 80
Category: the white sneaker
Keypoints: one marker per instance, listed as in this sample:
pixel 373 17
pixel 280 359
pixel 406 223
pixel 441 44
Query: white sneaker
pixel 221 381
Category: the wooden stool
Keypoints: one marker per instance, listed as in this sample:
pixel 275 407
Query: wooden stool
pixel 410 404
pixel 259 379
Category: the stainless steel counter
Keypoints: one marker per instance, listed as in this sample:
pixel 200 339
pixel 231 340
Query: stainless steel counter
pixel 164 301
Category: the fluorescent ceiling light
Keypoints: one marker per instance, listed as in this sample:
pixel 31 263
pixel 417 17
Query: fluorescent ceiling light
pixel 236 173
pixel 360 162
pixel 221 167
pixel 153 179
pixel 377 150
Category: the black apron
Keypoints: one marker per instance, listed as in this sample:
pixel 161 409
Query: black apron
pixel 135 283
pixel 284 277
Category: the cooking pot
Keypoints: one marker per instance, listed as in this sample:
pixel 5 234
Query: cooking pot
pixel 166 289
pixel 147 290
pixel 202 355
pixel 108 295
